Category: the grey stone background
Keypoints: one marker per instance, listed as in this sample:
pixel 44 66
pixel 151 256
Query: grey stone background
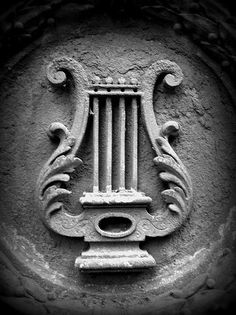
pixel 195 266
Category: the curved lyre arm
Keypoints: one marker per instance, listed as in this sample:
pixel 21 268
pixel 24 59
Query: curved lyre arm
pixel 62 162
pixel 178 196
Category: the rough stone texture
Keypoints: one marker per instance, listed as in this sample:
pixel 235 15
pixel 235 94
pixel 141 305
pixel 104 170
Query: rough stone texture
pixel 122 203
pixel 204 108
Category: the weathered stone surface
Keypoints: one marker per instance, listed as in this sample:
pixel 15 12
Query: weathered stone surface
pixel 163 306
pixel 33 289
pixel 68 307
pixel 177 293
pixel 195 285
pixel 25 306
pixel 206 301
pixel 210 283
pixel 203 108
pixel 10 284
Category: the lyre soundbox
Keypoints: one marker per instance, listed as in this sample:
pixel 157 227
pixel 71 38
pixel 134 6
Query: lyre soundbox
pixel 116 216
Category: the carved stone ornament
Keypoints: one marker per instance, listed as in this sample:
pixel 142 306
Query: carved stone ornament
pixel 115 218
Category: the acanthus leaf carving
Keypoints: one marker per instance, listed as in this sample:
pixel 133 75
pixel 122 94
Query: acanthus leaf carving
pixel 178 197
pixel 56 171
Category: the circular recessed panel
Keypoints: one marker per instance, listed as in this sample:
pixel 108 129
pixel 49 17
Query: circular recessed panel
pixel 197 256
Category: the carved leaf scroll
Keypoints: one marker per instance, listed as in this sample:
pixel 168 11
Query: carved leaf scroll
pixel 178 195
pixel 56 171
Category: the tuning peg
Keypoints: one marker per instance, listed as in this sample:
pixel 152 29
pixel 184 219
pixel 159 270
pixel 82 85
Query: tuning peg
pixel 96 80
pixel 109 80
pixel 134 81
pixel 121 80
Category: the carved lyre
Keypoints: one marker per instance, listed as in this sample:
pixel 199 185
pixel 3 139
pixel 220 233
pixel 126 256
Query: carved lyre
pixel 115 218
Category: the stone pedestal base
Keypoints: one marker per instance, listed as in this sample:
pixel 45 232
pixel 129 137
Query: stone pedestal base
pixel 121 256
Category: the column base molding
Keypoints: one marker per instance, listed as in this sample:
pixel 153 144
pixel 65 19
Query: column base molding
pixel 121 256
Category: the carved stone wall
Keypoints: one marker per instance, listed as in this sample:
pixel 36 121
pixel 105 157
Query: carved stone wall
pixel 194 271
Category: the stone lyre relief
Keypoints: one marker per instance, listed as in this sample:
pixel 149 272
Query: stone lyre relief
pixel 114 221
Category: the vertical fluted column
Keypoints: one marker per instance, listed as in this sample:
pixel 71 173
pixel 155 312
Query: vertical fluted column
pixel 108 159
pixel 95 145
pixel 121 136
pixel 134 143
